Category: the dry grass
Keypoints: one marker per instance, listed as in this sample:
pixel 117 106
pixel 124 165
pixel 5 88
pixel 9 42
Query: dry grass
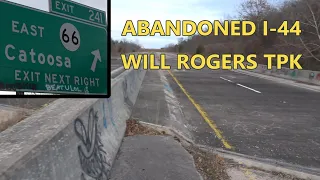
pixel 9 118
pixel 135 128
pixel 210 166
pixel 18 109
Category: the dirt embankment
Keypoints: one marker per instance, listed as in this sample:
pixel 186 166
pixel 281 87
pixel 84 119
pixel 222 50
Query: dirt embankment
pixel 14 110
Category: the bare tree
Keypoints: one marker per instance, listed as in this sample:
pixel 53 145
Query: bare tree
pixel 307 43
pixel 311 34
pixel 124 46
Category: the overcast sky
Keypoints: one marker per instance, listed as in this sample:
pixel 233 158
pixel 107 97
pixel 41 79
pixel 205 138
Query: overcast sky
pixel 195 10
pixel 134 10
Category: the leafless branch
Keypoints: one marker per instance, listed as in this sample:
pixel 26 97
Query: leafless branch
pixel 309 51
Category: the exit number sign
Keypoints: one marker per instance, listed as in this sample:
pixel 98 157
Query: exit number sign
pixel 78 11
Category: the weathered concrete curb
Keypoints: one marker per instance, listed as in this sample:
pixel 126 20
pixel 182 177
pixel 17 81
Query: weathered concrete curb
pixel 268 164
pixel 70 138
pixel 307 76
pixel 249 161
pixel 280 80
pixel 117 71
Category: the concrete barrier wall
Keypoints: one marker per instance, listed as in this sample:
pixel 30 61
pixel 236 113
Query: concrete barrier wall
pixel 71 138
pixel 307 76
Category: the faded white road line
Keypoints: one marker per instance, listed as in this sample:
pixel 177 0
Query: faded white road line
pixel 226 79
pixel 279 80
pixel 241 85
pixel 248 88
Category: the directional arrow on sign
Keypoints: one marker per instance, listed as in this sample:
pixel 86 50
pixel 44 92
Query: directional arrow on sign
pixel 97 57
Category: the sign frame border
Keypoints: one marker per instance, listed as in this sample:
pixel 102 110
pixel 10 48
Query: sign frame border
pixel 63 94
pixel 73 17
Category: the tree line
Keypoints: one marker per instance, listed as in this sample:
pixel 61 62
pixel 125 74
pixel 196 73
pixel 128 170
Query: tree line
pixel 124 46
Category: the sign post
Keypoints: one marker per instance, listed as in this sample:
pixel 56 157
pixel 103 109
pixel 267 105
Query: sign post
pixel 78 11
pixel 44 52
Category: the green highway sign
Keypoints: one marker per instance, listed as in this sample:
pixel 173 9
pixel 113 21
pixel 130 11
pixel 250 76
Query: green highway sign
pixel 77 11
pixel 44 52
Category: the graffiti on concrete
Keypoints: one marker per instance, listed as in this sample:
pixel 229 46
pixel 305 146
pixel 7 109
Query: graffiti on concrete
pixel 263 68
pixel 91 153
pixel 293 73
pixel 126 91
pixel 311 75
pixel 110 111
pixel 318 77
pixel 105 123
pixel 168 88
pixel 283 71
pixel 140 75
